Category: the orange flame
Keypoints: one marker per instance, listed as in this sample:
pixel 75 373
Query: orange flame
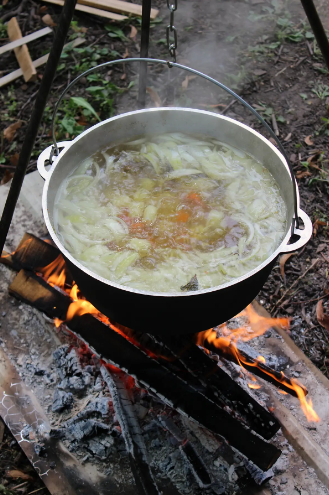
pixel 225 339
pixel 55 274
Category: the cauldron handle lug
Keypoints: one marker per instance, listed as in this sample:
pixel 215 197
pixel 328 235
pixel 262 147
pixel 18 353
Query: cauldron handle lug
pixel 304 235
pixel 47 156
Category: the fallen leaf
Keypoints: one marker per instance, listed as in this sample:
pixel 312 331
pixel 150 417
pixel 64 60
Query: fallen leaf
pixel 301 175
pixel 322 317
pixel 283 260
pixel 259 72
pixel 308 140
pixel 14 159
pixel 126 54
pixel 272 140
pixel 321 247
pixel 154 97
pixel 123 77
pixel 42 9
pixel 48 20
pixel 9 132
pixel 187 80
pixel 7 177
pixel 15 473
pixel 82 120
pixel 314 157
pixel 133 33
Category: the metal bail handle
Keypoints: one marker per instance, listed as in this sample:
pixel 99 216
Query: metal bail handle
pixel 295 220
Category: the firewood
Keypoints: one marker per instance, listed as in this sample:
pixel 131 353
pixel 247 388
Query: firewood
pixel 227 390
pixel 32 289
pixel 117 350
pixel 132 434
pixel 22 52
pixel 90 10
pixel 118 6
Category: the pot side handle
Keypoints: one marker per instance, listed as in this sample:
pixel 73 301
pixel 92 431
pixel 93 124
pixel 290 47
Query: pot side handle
pixel 304 235
pixel 46 155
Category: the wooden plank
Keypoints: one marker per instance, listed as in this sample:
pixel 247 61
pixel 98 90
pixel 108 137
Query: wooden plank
pixel 40 61
pixel 25 39
pixel 118 6
pixel 22 52
pixel 90 10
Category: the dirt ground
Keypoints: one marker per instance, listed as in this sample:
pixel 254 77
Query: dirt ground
pixel 264 50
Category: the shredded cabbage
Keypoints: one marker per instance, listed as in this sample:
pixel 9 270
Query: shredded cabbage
pixel 153 212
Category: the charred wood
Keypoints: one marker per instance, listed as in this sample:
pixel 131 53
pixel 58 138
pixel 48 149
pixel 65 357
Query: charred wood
pixel 224 387
pixel 257 368
pixel 132 434
pixel 172 389
pixel 187 449
pixel 33 290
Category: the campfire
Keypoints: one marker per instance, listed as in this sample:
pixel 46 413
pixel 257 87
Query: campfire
pixel 190 377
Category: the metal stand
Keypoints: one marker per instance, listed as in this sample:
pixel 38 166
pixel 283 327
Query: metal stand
pixel 317 28
pixel 35 120
pixel 146 12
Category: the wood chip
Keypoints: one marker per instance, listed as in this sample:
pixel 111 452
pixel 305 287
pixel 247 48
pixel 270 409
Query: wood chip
pixel 16 473
pixel 133 32
pixel 321 316
pixel 6 177
pixel 308 140
pixel 48 20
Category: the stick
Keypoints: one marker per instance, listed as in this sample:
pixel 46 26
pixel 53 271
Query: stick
pixel 22 52
pixel 25 39
pixel 118 6
pixel 295 283
pixel 228 106
pixel 91 10
pixel 275 125
pixel 40 61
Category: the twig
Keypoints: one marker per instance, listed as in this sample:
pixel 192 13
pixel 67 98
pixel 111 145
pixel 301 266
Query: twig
pixel 309 300
pixel 20 485
pixel 14 12
pixel 228 106
pixel 275 125
pixel 27 102
pixel 309 47
pixel 35 491
pixel 279 55
pixel 280 71
pixel 299 62
pixel 296 282
pixel 325 258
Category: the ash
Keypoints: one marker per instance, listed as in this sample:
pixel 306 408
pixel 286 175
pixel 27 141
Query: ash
pixel 83 417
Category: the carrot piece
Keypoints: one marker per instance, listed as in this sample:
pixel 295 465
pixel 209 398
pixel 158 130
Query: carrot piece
pixel 182 216
pixel 195 198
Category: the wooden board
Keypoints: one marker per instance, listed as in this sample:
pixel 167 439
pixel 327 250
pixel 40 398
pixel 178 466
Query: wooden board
pixel 25 39
pixel 40 61
pixel 118 6
pixel 22 52
pixel 90 10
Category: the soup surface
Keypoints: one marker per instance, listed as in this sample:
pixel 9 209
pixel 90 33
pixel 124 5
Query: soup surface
pixel 170 213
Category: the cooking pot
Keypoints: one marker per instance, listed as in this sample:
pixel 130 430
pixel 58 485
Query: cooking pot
pixel 185 312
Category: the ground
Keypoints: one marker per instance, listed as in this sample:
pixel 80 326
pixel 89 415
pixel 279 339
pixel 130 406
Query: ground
pixel 263 49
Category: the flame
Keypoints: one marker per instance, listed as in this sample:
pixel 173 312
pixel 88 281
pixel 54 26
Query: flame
pixel 55 274
pixel 225 339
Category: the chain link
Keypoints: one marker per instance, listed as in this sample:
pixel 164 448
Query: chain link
pixel 171 30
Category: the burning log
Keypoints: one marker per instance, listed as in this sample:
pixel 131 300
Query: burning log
pixel 198 468
pixel 257 367
pixel 174 392
pixel 131 432
pixel 227 390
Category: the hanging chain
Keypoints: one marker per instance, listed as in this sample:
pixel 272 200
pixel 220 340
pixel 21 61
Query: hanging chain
pixel 171 30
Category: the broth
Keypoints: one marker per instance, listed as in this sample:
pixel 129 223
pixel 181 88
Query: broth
pixel 170 213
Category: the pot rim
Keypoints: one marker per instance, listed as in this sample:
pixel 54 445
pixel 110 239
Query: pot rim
pixel 67 254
